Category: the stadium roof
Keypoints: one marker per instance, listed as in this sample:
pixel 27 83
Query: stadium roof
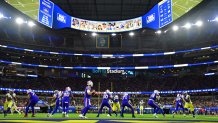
pixel 106 9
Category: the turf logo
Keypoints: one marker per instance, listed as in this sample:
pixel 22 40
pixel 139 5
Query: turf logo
pixel 61 18
pixel 150 18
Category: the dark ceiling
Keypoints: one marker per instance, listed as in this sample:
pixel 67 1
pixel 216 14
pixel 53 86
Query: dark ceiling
pixel 106 9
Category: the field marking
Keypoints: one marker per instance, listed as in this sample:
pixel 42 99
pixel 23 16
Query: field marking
pixel 24 4
pixel 175 14
pixel 21 4
pixel 181 6
pixel 30 11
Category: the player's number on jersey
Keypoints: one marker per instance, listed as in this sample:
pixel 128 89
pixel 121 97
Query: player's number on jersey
pixel 105 96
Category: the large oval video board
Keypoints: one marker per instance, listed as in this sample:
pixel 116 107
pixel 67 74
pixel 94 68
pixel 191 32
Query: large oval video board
pixel 49 14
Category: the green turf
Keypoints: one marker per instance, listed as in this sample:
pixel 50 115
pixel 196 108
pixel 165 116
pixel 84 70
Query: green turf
pixel 180 7
pixel 104 116
pixel 28 7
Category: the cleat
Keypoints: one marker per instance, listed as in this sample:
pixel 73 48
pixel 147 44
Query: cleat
pixel 109 115
pixel 49 115
pixel 155 116
pixel 97 116
pixel 25 115
pixel 133 116
pixel 121 116
pixel 81 116
pixel 66 115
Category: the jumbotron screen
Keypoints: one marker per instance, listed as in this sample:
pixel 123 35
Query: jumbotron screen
pixel 49 14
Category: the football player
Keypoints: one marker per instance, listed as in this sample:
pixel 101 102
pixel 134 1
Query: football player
pixel 105 102
pixel 87 96
pixel 152 102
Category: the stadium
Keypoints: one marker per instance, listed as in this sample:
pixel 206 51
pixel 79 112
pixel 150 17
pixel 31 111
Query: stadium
pixel 108 61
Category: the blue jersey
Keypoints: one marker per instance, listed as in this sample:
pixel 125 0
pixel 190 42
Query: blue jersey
pixel 57 97
pixel 153 97
pixel 106 97
pixel 86 93
pixel 179 98
pixel 33 96
pixel 126 98
pixel 66 96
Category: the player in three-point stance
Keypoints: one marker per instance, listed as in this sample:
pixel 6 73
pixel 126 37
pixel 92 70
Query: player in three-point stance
pixel 87 96
pixel 152 102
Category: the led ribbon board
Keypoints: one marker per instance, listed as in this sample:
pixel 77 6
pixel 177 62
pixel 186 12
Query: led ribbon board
pixel 49 14
pixel 82 92
pixel 110 55
pixel 111 68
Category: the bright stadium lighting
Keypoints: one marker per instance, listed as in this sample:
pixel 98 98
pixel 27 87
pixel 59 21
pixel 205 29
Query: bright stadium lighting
pixel 187 26
pixel 216 19
pixel 175 28
pixel 199 23
pixel 159 32
pixel 94 34
pixel 31 24
pixel 113 34
pixel 19 21
pixel 1 16
pixel 131 34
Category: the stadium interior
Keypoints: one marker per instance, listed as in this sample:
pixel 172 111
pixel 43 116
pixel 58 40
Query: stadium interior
pixel 190 39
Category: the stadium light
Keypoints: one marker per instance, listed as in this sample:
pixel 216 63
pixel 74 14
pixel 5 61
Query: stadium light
pixel 175 28
pixel 94 34
pixel 199 23
pixel 113 34
pixel 19 21
pixel 1 16
pixel 216 19
pixel 31 24
pixel 159 32
pixel 131 34
pixel 187 26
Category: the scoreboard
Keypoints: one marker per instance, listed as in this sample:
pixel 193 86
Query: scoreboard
pixel 46 8
pixel 165 13
pixel 51 15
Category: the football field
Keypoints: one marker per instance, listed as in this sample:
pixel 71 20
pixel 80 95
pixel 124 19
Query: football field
pixel 73 118
pixel 28 7
pixel 180 7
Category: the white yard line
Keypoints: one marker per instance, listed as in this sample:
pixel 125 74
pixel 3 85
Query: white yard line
pixel 21 4
pixel 30 11
pixel 181 6
pixel 175 14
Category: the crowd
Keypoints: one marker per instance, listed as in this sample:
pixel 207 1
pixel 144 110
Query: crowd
pixel 140 83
